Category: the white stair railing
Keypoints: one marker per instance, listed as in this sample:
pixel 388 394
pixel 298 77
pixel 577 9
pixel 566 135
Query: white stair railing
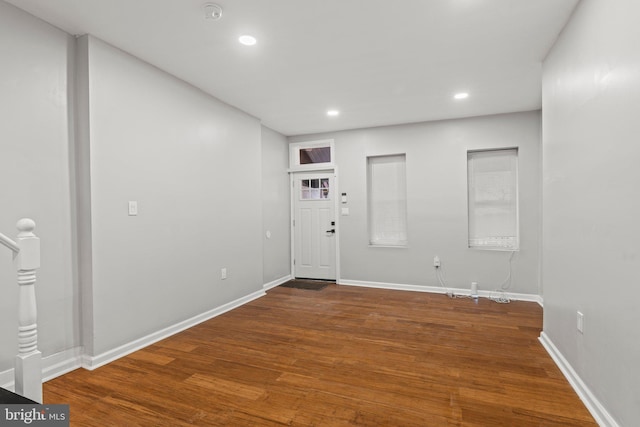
pixel 26 257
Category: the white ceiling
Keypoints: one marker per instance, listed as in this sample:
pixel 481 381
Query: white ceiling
pixel 378 62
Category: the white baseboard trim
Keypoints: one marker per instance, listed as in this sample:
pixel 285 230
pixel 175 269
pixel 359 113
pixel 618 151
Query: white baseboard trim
pixel 599 413
pixel 66 361
pixel 61 363
pixel 52 366
pixel 439 290
pixel 93 362
pixel 276 282
pixel 7 379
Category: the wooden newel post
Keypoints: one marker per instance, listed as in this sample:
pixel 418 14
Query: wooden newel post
pixel 28 367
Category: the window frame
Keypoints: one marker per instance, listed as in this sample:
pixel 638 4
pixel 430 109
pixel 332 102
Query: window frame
pixel 320 190
pixel 294 155
pixel 471 204
pixel 391 243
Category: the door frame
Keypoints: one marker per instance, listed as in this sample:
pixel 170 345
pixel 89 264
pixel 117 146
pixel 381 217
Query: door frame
pixel 336 206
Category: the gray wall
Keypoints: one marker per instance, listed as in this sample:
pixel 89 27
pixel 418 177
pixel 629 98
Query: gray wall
pixel 193 164
pixel 34 176
pixel 591 102
pixel 209 181
pixel 275 207
pixel 437 202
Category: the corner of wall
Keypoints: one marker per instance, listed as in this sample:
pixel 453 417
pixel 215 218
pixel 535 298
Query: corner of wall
pixel 82 189
pixel 597 410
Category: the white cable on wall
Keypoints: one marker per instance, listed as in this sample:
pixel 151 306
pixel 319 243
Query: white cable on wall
pixel 499 295
pixel 441 281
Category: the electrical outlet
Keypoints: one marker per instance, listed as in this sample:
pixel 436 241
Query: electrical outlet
pixel 436 261
pixel 580 322
pixel 223 273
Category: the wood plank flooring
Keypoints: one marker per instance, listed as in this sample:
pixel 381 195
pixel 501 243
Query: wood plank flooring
pixel 343 356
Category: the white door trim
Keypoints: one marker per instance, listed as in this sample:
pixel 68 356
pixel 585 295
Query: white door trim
pixel 336 201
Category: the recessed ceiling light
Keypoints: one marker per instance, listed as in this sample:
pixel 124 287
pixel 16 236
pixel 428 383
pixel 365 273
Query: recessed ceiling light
pixel 333 113
pixel 461 95
pixel 247 40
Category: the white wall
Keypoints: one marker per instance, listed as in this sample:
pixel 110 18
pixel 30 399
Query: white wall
pixel 437 202
pixel 193 164
pixel 591 106
pixel 34 177
pixel 275 207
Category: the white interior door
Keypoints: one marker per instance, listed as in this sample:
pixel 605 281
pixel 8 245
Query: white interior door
pixel 314 226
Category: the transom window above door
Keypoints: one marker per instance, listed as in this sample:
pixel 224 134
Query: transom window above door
pixel 311 155
pixel 308 156
pixel 314 189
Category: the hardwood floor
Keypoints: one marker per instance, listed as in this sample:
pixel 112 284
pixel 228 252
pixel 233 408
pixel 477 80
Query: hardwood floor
pixel 342 356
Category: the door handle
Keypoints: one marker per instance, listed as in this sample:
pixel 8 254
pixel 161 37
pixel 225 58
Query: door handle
pixel 332 231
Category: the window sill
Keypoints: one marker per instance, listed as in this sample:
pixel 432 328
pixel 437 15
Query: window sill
pixel 478 248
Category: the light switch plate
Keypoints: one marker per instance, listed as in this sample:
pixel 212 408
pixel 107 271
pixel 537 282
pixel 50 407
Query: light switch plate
pixel 133 208
pixel 580 322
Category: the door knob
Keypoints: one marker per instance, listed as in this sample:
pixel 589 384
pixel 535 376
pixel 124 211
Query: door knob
pixel 332 231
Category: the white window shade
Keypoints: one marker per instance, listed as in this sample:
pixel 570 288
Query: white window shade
pixel 387 200
pixel 493 199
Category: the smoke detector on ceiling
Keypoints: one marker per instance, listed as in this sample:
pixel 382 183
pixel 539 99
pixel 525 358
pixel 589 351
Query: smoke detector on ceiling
pixel 212 11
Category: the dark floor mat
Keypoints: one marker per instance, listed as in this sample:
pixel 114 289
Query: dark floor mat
pixel 312 285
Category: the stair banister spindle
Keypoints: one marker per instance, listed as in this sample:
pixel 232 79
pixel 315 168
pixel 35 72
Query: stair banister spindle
pixel 28 368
